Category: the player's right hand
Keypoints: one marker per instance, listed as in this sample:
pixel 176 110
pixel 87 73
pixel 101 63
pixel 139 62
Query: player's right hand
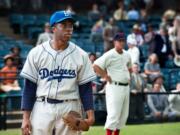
pixel 26 127
pixel 108 78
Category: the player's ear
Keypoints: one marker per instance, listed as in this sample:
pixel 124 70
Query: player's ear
pixel 53 29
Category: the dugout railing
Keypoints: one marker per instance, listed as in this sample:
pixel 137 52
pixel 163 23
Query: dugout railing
pixel 100 109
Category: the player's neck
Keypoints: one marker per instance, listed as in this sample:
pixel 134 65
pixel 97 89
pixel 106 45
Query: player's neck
pixel 59 45
pixel 120 51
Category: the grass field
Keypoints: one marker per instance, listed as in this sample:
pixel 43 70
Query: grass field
pixel 149 129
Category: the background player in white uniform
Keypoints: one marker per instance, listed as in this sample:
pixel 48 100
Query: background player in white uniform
pixel 57 75
pixel 114 67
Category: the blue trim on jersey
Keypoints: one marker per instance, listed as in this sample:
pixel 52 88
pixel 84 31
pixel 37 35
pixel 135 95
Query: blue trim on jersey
pixel 27 76
pixel 85 92
pixel 29 95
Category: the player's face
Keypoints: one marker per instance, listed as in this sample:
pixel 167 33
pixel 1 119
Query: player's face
pixel 119 45
pixel 63 31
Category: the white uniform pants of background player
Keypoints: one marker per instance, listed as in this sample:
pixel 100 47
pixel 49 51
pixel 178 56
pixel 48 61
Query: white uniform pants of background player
pixel 47 116
pixel 117 103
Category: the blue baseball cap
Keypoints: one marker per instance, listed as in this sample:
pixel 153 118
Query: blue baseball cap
pixel 119 36
pixel 60 16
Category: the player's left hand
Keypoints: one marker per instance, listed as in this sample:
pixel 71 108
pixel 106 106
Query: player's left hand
pixel 108 78
pixel 90 121
pixel 75 122
pixel 26 127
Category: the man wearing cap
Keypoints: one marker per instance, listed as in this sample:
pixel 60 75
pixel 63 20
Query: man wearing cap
pixel 114 66
pixel 56 82
pixel 133 50
pixel 136 33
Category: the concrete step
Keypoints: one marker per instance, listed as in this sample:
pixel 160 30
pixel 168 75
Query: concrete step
pixel 13 125
pixel 14 112
pixel 8 31
pixel 14 119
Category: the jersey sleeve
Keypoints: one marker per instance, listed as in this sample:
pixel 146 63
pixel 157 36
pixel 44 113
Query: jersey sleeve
pixel 30 70
pixel 129 64
pixel 86 72
pixel 102 62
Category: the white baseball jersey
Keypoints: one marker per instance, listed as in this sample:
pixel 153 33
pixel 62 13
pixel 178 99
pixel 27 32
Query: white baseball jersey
pixel 116 65
pixel 58 73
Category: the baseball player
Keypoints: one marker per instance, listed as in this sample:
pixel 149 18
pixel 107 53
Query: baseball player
pixel 114 66
pixel 58 75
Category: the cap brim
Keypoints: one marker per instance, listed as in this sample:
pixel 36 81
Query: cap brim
pixel 66 18
pixel 120 39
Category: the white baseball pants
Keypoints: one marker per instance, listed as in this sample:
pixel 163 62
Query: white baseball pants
pixel 117 103
pixel 45 117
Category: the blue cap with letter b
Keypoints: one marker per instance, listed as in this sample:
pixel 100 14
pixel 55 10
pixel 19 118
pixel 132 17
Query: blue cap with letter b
pixel 60 16
pixel 119 36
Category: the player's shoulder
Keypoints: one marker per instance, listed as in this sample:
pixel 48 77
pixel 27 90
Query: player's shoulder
pixel 77 49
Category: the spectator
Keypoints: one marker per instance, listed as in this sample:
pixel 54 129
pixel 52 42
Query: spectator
pixel 46 35
pixel 120 13
pixel 174 100
pixel 143 14
pixel 152 68
pixel 133 50
pixel 158 104
pixel 160 80
pixel 18 62
pixel 94 13
pixel 70 9
pixel 8 75
pixel 133 14
pixel 137 86
pixel 162 46
pixel 165 23
pixel 97 30
pixel 149 38
pixel 92 57
pixel 174 37
pixel 36 5
pixel 169 14
pixel 136 33
pixel 109 32
pixel 149 4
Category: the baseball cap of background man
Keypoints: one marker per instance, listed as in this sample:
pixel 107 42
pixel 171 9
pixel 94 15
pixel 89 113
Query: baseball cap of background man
pixel 60 16
pixel 119 36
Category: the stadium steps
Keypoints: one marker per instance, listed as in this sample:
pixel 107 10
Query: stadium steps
pixel 6 30
pixel 14 119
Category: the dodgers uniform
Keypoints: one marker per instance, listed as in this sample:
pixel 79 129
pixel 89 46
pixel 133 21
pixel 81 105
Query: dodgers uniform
pixel 117 93
pixel 57 75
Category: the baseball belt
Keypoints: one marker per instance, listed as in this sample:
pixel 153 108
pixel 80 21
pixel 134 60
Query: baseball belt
pixel 53 101
pixel 119 83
